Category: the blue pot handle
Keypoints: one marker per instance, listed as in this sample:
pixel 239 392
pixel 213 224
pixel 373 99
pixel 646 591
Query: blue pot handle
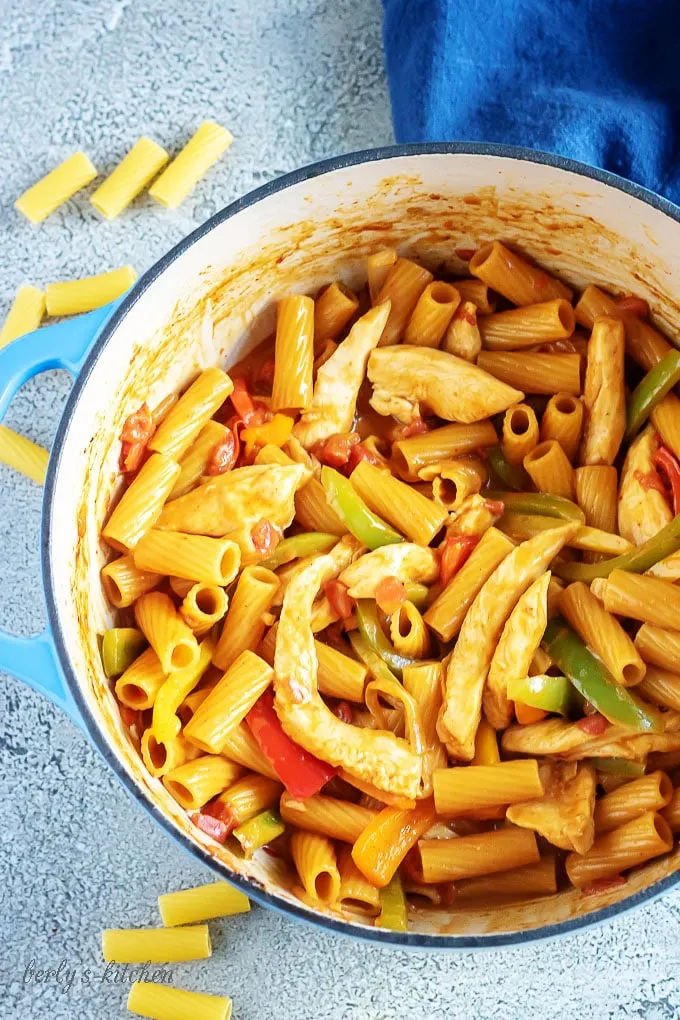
pixel 65 345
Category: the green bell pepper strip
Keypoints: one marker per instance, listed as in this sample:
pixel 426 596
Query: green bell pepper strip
pixel 659 381
pixel 366 526
pixel 393 913
pixel 120 647
pixel 417 594
pixel 594 681
pixel 373 634
pixel 551 693
pixel 514 476
pixel 311 543
pixel 618 767
pixel 370 658
pixel 259 831
pixel 638 561
pixel 540 503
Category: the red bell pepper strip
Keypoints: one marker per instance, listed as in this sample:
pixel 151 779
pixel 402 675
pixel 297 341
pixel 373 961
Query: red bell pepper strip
pixel 243 403
pixel 456 550
pixel 664 461
pixel 336 593
pixel 301 773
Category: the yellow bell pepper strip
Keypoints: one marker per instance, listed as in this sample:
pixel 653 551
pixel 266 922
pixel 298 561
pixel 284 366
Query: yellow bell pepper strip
pixel 366 526
pixel 277 432
pixel 387 839
pixel 259 831
pixel 638 561
pixel 541 503
pixel 659 381
pixel 486 745
pixel 594 681
pixel 393 914
pixel 515 477
pixel 120 647
pixel 372 632
pixel 549 693
pixel 618 767
pixel 311 543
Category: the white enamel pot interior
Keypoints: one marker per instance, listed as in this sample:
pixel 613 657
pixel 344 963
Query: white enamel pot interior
pixel 293 235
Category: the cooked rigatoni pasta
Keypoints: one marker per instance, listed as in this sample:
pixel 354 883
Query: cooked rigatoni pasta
pixel 410 455
pixel 515 277
pixel 141 503
pixel 378 266
pixel 56 187
pixel 333 308
pixel 187 906
pixel 72 297
pixel 196 782
pixel 130 177
pixel 194 557
pixel 294 358
pixel 520 433
pixel 244 625
pixel 156 945
pixel 195 461
pixel 534 373
pixel 413 514
pixel 329 816
pixel 409 632
pixel 631 844
pixel 658 646
pixel 477 293
pixel 403 285
pixel 643 343
pixel 525 882
pixel 246 798
pixel 649 793
pixel 202 150
pixel 432 315
pixel 123 582
pixel 665 418
pixel 602 633
pixel 139 685
pixel 661 687
pixel 549 469
pixel 671 813
pixel 648 599
pixel 316 864
pixel 203 606
pixel 191 413
pixel 229 702
pixel 176 689
pixel 242 747
pixel 357 894
pixel 23 455
pixel 447 860
pixel 162 756
pixel 460 791
pixel 563 421
pixel 339 676
pixel 25 315
pixel 312 509
pixel 527 326
pixel 453 481
pixel 604 393
pixel 159 1002
pixel 166 632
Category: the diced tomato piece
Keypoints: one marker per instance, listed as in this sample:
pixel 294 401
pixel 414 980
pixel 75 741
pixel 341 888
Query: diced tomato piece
pixel 651 480
pixel 130 716
pixel 265 376
pixel 632 305
pixel 495 507
pixel 132 456
pixel 135 435
pixel 350 622
pixel 456 550
pixel 335 451
pixel 417 427
pixel 595 724
pixel 212 827
pixel 343 710
pixel 390 594
pixel 668 465
pixel 336 593
pixel 361 452
pixel 412 865
pixel 217 809
pixel 265 537
pixel 223 455
pixel 465 253
pixel 447 894
pixel 463 314
pixel 603 885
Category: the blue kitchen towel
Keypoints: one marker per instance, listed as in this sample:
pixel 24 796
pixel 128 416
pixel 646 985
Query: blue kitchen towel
pixel 595 80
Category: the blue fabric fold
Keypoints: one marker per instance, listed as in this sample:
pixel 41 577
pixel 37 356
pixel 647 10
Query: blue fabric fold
pixel 595 80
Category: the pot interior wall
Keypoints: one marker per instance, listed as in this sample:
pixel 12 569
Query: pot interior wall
pixel 215 298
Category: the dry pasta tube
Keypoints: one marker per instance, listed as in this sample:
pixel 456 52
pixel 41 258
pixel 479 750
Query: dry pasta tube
pixel 604 393
pixel 294 354
pixel 515 277
pixel 174 692
pixel 520 433
pixel 562 421
pixel 416 516
pixel 56 187
pixel 357 894
pixel 75 296
pixel 518 884
pixel 166 632
pixel 527 326
pixel 191 413
pixel 411 455
pixel 446 614
pixel 661 687
pixel 195 461
pixel 659 647
pixel 156 945
pixel 229 702
pixel 549 469
pixel 203 606
pixel 162 756
pixel 447 860
pixel 432 314
pixel 631 844
pixel 463 337
pixel 378 266
pixel 130 177
pixel 140 683
pixel 329 816
pixel 202 150
pixel 248 797
pixel 194 557
pixel 458 791
pixel 25 315
pixel 666 420
pixel 477 293
pixel 124 583
pixel 409 632
pixel 648 599
pixel 22 455
pixel 316 864
pixel 338 676
pixel 141 503
pixel 534 373
pixel 403 285
pixel 644 344
pixel 671 813
pixel 201 904
pixel 162 1003
pixel 196 782
pixel 242 748
pixel 603 634
pixel 333 309
pixel 384 843
pixel 244 625
pixel 649 793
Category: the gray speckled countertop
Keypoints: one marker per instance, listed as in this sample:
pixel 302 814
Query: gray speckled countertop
pixel 295 80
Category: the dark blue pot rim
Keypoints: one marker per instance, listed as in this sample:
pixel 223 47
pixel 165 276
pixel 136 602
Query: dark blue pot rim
pixel 376 935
